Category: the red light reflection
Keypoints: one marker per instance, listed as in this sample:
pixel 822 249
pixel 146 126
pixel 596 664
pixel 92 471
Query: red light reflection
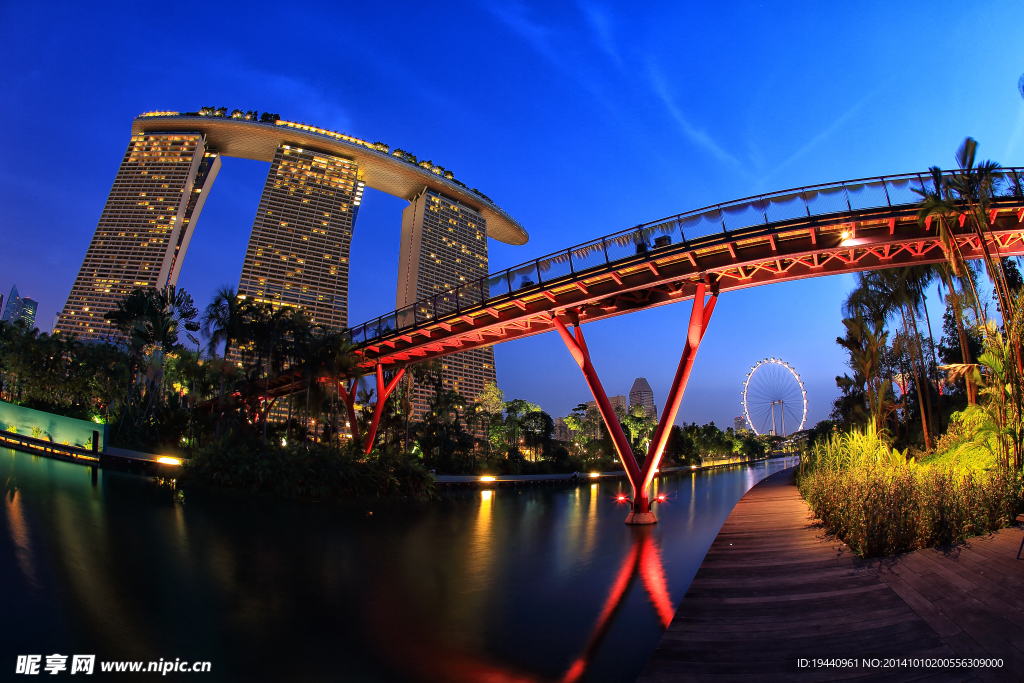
pixel 643 558
pixel 434 661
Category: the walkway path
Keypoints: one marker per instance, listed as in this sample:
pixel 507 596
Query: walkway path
pixel 773 588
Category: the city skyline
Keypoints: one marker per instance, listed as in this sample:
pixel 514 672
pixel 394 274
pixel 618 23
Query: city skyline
pixel 607 89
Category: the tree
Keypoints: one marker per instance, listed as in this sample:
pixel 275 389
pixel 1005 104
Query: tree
pixel 537 430
pixel 150 321
pixel 515 410
pixel 883 294
pixel 583 422
pixel 491 399
pixel 866 345
pixel 639 427
pixel 959 344
pixel 223 323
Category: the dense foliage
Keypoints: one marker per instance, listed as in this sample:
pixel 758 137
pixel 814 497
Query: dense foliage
pixel 60 375
pixel 964 419
pixel 880 503
pixel 308 471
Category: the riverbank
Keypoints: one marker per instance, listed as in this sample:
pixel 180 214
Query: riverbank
pixel 773 589
pixel 153 465
pixel 501 480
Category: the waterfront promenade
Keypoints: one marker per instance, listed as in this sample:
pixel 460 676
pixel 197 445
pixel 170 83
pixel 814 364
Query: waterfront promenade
pixel 774 588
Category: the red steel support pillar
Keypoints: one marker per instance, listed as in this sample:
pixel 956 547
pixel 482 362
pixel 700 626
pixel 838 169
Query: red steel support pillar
pixel 640 480
pixel 578 349
pixel 700 316
pixel 383 392
pixel 348 396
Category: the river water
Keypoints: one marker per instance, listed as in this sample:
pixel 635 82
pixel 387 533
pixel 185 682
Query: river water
pixel 538 584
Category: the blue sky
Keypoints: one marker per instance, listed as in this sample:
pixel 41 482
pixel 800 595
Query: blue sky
pixel 579 119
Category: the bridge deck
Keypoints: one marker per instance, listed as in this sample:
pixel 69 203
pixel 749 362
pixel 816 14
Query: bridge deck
pixel 772 588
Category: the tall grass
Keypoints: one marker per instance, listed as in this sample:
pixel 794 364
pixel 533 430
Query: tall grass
pixel 880 503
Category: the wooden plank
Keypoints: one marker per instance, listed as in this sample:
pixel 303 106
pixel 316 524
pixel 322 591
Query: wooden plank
pixel 774 586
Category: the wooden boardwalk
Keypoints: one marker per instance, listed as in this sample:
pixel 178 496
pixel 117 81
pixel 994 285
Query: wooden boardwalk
pixel 773 588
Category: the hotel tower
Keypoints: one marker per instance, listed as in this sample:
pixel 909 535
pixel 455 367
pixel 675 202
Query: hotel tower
pixel 298 251
pixel 147 222
pixel 444 245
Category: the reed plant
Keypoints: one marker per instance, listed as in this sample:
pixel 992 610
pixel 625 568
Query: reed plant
pixel 879 502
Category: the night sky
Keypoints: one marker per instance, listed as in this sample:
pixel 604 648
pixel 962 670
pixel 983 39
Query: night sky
pixel 578 119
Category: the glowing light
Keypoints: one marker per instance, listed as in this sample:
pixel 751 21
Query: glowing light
pixel 486 495
pixel 486 478
pixel 168 461
pixel 620 498
pixel 595 475
pixel 845 235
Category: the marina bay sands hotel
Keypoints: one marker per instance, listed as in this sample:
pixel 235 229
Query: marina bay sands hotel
pixel 298 252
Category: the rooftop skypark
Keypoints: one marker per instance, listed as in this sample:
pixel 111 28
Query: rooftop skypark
pixel 254 116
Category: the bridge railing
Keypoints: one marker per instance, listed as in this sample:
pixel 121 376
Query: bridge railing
pixel 704 226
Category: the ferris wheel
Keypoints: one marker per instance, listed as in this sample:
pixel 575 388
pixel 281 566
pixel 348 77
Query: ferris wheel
pixel 773 396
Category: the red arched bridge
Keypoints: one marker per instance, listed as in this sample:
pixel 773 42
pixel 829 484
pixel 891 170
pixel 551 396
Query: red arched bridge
pixel 845 227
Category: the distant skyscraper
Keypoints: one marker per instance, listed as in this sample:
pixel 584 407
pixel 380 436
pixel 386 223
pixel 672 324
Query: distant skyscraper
pixel 28 312
pixel 739 423
pixel 641 394
pixel 11 304
pixel 153 206
pixel 20 308
pixel 444 245
pixel 298 252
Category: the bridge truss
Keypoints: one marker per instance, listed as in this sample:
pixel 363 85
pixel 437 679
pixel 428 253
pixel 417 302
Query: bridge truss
pixel 846 227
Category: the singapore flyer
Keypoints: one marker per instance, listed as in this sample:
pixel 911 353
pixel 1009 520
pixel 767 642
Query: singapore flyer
pixel 774 399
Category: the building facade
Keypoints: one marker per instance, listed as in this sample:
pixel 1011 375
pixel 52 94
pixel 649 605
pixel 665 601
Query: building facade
pixel 443 246
pixel 641 394
pixel 562 431
pixel 618 404
pixel 20 308
pixel 147 221
pixel 298 253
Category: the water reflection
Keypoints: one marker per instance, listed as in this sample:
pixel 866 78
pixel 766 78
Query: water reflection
pixel 543 584
pixel 644 559
pixel 19 532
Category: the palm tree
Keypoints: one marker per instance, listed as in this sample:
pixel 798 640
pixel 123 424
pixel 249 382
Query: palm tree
pixel 882 294
pixel 223 323
pixel 152 319
pixel 973 185
pixel 300 344
pixel 866 344
pixel 335 360
pixel 267 331
pixel 948 279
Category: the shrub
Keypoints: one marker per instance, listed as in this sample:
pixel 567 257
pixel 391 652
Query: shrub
pixel 880 503
pixel 301 471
